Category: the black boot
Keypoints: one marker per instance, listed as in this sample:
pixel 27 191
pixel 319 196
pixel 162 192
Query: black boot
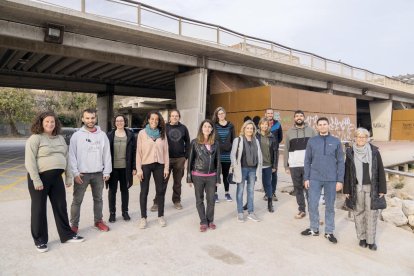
pixel 270 205
pixel 126 216
pixel 112 217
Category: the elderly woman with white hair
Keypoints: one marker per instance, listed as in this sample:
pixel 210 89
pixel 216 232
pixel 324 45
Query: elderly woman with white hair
pixel 364 186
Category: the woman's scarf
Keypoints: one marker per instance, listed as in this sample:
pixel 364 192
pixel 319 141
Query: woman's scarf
pixel 362 155
pixel 250 150
pixel 153 133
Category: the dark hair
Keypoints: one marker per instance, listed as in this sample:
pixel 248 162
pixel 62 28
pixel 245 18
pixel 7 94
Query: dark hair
pixel 246 118
pixel 174 110
pixel 200 135
pixel 161 122
pixel 89 110
pixel 37 126
pixel 256 120
pixel 322 119
pixel 299 112
pixel 120 115
pixel 215 118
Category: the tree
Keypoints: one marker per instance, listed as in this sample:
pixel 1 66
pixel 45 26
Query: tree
pixel 16 105
pixel 73 103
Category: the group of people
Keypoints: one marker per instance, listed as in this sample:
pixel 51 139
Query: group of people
pixel 315 160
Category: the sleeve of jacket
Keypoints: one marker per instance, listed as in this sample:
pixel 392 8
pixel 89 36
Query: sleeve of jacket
pixel 72 155
pixel 232 133
pixel 30 157
pixel 286 151
pixel 308 161
pixel 347 176
pixel 187 141
pixel 107 157
pixel 280 133
pixel 218 166
pixel 233 157
pixel 190 162
pixel 382 183
pixel 340 163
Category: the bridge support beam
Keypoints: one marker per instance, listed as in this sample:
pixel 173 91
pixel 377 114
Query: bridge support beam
pixel 381 112
pixel 105 106
pixel 191 96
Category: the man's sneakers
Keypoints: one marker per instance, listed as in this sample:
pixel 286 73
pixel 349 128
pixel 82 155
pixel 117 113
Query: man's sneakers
pixel 228 197
pixel 42 248
pixel 240 217
pixel 300 215
pixel 363 243
pixel 203 227
pixel 253 217
pixel 331 238
pixel 178 206
pixel 101 226
pixel 75 239
pixel 212 226
pixel 309 232
pixel 372 247
pixel 126 216
pixel 154 208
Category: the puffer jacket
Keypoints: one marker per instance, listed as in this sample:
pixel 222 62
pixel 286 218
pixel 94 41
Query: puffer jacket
pixel 378 182
pixel 203 160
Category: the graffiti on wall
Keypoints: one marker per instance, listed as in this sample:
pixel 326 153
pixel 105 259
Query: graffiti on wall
pixel 341 128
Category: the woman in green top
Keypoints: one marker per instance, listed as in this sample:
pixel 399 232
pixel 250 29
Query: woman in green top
pixel 45 160
pixel 123 150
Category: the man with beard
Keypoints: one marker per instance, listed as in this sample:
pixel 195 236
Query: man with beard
pixel 294 156
pixel 90 162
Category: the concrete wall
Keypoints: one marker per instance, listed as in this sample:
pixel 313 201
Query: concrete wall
pixel 402 125
pixel 191 90
pixel 340 110
pixel 381 112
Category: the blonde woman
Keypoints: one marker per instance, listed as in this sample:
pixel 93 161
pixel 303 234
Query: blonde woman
pixel 246 164
pixel 364 186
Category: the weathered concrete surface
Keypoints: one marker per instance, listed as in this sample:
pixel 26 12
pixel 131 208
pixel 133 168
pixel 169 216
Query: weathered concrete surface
pixel 272 246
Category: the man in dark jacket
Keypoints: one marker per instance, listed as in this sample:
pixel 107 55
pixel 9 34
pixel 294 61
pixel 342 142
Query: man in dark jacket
pixel 276 130
pixel 179 149
pixel 296 140
pixel 324 168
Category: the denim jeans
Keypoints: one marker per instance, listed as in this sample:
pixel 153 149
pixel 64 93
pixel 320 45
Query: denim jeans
pixel 249 175
pixel 274 182
pixel 267 181
pixel 329 190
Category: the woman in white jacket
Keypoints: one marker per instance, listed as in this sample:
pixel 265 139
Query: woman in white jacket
pixel 246 163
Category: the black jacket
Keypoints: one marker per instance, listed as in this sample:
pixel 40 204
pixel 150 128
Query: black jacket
pixel 378 182
pixel 274 149
pixel 203 160
pixel 130 154
pixel 178 140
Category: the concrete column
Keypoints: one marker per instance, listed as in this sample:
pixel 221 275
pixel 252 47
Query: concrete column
pixel 105 106
pixel 191 95
pixel 381 112
pixel 129 116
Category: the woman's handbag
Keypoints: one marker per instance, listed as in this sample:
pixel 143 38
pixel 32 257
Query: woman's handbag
pixel 378 203
pixel 230 177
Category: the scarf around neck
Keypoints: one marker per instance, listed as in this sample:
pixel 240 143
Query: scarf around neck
pixel 362 155
pixel 153 133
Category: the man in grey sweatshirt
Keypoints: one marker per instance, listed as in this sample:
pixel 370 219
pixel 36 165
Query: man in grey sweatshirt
pixel 324 168
pixel 296 140
pixel 90 163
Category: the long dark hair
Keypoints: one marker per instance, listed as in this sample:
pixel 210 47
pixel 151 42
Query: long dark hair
pixel 161 122
pixel 215 116
pixel 200 135
pixel 37 125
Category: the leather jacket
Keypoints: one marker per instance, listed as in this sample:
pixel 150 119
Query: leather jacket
pixel 203 160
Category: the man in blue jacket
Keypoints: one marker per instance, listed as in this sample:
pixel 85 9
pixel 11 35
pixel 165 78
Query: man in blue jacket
pixel 324 168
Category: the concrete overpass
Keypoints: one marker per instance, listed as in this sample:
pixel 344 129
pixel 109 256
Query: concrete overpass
pixel 144 51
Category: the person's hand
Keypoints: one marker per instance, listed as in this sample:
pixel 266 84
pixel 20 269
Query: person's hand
pixel 165 175
pixel 134 172
pixel 39 188
pixel 140 176
pixel 338 186
pixel 306 184
pixel 347 195
pixel 381 194
pixel 106 178
pixel 287 171
pixel 274 170
pixel 78 179
pixel 217 184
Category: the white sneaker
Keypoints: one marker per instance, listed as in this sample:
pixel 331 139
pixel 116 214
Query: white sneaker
pixel 162 221
pixel 42 248
pixel 76 239
pixel 240 217
pixel 253 217
pixel 143 223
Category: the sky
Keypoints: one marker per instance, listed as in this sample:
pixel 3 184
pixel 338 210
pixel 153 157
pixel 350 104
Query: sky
pixel 376 35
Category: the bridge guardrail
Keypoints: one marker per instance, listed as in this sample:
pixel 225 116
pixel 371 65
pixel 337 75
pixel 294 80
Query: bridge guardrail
pixel 143 15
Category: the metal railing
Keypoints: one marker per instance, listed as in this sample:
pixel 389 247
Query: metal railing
pixel 142 15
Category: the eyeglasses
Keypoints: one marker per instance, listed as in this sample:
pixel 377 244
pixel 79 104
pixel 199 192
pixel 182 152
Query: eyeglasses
pixel 361 137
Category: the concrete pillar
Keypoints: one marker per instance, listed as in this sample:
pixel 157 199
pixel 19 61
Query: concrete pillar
pixel 105 107
pixel 129 117
pixel 191 96
pixel 381 112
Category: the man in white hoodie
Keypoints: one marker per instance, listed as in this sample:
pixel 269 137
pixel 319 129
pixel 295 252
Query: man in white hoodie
pixel 90 162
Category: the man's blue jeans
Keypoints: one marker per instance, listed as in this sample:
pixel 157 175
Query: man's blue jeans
pixel 249 175
pixel 329 190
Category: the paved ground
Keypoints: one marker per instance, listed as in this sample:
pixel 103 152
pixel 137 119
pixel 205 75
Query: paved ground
pixel 272 246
